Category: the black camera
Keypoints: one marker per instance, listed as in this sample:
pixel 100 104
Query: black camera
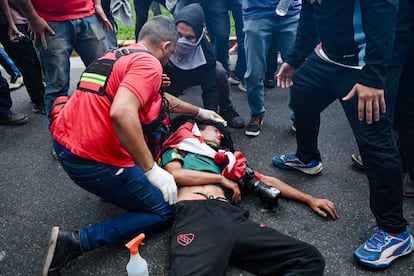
pixel 268 195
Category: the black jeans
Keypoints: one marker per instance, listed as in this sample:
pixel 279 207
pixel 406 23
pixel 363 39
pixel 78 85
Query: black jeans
pixel 214 84
pixel 24 56
pixel 316 85
pixel 404 115
pixel 141 12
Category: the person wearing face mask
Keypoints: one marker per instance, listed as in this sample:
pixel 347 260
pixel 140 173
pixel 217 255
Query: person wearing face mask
pixel 193 63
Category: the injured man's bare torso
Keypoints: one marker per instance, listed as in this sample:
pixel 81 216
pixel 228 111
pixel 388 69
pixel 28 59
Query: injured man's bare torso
pixel 210 191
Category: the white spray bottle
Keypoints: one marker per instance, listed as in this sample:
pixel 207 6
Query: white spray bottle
pixel 136 266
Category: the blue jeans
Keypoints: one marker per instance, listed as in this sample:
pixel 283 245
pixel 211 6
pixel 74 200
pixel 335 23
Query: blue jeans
pixel 127 188
pixel 8 64
pixel 316 85
pixel 84 35
pixel 111 34
pixel 259 34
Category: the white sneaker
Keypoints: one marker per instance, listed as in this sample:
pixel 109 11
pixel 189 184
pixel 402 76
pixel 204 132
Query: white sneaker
pixel 16 82
pixel 242 87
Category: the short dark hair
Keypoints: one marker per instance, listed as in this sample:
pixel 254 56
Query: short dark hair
pixel 226 142
pixel 159 29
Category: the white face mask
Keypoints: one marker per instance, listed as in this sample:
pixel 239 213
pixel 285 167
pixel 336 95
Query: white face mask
pixel 188 55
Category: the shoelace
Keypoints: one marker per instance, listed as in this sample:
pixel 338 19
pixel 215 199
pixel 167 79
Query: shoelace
pixel 292 158
pixel 378 239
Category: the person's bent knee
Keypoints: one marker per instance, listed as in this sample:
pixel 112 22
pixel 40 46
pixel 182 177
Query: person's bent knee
pixel 165 212
pixel 314 261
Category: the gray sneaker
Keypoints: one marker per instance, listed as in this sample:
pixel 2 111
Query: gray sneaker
pixel 242 87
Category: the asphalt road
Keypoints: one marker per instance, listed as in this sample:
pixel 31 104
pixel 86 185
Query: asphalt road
pixel 36 194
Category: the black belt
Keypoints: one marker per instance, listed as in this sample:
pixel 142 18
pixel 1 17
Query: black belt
pixel 211 196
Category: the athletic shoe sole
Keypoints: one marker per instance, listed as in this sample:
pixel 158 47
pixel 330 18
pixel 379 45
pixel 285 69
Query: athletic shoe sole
pixel 20 122
pixel 383 263
pixel 356 159
pixel 47 262
pixel 252 133
pixel 233 81
pixel 242 88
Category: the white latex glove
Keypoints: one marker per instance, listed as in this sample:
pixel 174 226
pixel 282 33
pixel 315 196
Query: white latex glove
pixel 164 181
pixel 206 114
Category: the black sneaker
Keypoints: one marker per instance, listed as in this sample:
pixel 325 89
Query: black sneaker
pixel 13 119
pixel 233 118
pixel 253 128
pixel 39 109
pixel 63 247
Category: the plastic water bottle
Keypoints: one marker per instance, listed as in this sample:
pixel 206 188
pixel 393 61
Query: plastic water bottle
pixel 283 7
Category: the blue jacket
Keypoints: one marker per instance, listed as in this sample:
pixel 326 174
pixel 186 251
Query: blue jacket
pixel 352 32
pixel 255 9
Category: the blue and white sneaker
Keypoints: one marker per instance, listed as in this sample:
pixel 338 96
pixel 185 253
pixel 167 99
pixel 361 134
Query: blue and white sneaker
pixel 291 162
pixel 383 247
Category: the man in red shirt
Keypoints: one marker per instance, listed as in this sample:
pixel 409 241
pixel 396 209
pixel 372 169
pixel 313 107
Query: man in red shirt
pixel 102 137
pixel 64 26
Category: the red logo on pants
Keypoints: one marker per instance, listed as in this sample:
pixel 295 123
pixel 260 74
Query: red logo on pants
pixel 185 239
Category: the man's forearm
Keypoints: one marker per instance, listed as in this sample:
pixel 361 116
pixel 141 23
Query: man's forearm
pixel 4 6
pixel 182 107
pixel 128 127
pixel 185 177
pixel 286 190
pixel 25 7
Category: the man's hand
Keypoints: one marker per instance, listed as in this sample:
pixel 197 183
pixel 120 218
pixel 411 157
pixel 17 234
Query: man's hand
pixel 14 34
pixel 38 28
pixel 371 102
pixel 106 24
pixel 164 181
pixel 323 207
pixel 232 186
pixel 165 80
pixel 285 75
pixel 206 114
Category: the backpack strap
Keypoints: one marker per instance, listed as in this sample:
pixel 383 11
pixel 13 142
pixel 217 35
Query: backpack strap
pixel 95 77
